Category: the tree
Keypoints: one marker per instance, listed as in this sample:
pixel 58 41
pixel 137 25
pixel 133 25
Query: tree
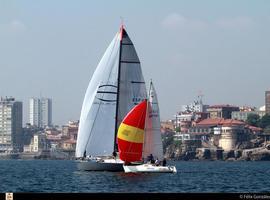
pixel 167 139
pixel 253 119
pixel 265 121
pixel 177 129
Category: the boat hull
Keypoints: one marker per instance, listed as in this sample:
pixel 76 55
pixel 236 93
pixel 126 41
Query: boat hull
pixel 92 165
pixel 149 168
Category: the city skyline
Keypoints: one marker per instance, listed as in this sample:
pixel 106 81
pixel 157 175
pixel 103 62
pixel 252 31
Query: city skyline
pixel 218 48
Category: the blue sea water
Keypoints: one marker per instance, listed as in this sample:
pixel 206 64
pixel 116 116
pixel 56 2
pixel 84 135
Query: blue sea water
pixel 193 176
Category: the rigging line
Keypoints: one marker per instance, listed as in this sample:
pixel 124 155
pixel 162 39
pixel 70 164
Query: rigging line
pixel 91 135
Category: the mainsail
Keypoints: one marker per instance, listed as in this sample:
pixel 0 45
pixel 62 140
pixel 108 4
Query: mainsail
pixel 116 86
pixel 132 88
pixel 152 140
pixel 131 134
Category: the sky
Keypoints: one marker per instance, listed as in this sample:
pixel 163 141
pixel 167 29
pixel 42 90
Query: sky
pixel 219 49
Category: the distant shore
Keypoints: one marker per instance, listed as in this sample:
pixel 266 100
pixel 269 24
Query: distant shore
pixel 44 155
pixel 207 154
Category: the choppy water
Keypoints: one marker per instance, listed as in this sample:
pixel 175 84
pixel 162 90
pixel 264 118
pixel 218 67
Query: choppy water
pixel 63 176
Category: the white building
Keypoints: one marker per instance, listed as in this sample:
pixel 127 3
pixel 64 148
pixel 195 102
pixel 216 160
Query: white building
pixel 46 112
pixel 38 143
pixel 228 137
pixel 40 111
pixel 34 112
pixel 195 106
pixel 10 125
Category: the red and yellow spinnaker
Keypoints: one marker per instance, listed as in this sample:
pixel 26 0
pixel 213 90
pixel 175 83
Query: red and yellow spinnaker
pixel 130 134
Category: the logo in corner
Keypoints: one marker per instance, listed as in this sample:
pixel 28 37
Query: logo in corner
pixel 9 196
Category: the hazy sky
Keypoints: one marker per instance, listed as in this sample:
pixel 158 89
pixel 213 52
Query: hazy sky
pixel 221 48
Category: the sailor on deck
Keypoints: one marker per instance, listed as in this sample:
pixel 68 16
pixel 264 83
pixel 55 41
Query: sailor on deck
pixel 114 154
pixel 157 162
pixel 84 155
pixel 164 162
pixel 150 158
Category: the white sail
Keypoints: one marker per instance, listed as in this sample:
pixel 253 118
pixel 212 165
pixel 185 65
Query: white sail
pixel 97 120
pixel 152 140
pixel 110 90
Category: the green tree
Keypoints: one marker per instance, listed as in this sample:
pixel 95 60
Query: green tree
pixel 253 119
pixel 177 129
pixel 177 143
pixel 265 121
pixel 167 139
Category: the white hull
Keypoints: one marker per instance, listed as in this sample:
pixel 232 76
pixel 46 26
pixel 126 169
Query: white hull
pixel 114 165
pixel 149 168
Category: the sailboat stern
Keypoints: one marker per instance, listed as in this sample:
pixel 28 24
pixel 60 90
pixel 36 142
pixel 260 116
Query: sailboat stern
pixel 149 168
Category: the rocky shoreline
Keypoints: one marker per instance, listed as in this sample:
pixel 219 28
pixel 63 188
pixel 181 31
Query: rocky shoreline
pixel 213 154
pixel 257 149
pixel 44 155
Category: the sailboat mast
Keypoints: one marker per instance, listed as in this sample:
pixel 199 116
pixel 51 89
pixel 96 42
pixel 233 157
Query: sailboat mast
pixel 147 118
pixel 118 89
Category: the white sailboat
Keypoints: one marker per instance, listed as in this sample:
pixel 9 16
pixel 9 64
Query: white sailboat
pixel 139 135
pixel 116 86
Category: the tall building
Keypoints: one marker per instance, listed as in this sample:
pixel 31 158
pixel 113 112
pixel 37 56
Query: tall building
pixel 46 112
pixel 267 102
pixel 34 111
pixel 10 125
pixel 40 111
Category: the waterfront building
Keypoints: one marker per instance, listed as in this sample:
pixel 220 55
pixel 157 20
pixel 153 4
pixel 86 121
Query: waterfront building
pixel 267 102
pixel 54 137
pixel 185 120
pixel 224 133
pixel 11 132
pixel 38 144
pixel 68 145
pixel 189 114
pixel 69 135
pixel 40 112
pixel 182 136
pixel 246 108
pixel 167 125
pixel 229 135
pixel 71 130
pixel 221 111
pixel 243 115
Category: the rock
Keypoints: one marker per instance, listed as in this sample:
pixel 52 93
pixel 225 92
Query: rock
pixel 260 156
pixel 231 159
